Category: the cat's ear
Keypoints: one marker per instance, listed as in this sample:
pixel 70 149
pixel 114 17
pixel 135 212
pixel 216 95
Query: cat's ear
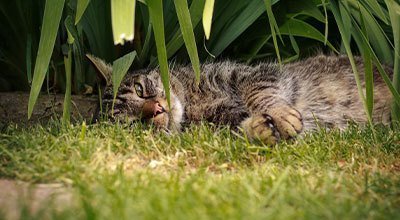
pixel 103 69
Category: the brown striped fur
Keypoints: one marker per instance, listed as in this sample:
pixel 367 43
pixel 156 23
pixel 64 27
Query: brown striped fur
pixel 269 103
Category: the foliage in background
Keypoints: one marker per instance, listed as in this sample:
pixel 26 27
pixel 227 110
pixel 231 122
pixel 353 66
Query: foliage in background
pixel 239 29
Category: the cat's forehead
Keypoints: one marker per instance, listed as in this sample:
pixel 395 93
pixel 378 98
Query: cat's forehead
pixel 143 75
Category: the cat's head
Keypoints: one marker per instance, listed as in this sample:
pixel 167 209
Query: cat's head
pixel 140 97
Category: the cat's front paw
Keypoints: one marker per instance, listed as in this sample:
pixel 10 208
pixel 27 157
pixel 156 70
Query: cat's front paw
pixel 262 128
pixel 278 123
pixel 288 121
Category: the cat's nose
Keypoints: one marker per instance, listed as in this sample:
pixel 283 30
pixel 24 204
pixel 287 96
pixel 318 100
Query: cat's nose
pixel 159 109
pixel 152 108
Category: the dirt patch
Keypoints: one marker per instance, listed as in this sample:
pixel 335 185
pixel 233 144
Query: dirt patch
pixel 14 106
pixel 16 196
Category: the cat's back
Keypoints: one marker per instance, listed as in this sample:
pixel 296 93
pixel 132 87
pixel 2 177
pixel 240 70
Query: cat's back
pixel 326 90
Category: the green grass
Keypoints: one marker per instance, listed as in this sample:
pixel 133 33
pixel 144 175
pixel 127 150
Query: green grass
pixel 120 172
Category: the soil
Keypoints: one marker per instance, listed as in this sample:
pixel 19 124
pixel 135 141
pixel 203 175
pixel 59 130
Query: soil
pixel 14 108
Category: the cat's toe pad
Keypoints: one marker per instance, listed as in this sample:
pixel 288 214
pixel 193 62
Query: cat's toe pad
pixel 261 128
pixel 288 121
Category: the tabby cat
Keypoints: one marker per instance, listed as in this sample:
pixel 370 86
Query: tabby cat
pixel 268 102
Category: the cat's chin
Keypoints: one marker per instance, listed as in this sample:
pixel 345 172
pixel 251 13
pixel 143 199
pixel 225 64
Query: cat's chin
pixel 161 121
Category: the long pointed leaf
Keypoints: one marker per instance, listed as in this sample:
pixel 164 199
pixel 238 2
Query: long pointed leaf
pixel 246 16
pixel 346 42
pixel 176 42
pixel 274 28
pixel 207 17
pixel 394 12
pixel 67 97
pixel 123 20
pixel 119 69
pixel 300 28
pixel 51 20
pixel 80 9
pixel 157 19
pixel 188 35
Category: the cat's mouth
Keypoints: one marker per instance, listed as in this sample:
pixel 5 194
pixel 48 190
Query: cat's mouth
pixel 156 112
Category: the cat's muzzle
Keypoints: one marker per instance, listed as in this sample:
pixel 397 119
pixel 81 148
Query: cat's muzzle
pixel 156 112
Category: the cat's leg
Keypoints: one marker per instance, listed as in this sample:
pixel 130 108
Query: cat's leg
pixel 272 124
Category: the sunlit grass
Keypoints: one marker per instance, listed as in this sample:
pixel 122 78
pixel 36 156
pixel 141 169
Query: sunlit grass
pixel 117 171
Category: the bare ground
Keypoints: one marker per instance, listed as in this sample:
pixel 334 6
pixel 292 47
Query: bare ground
pixel 14 106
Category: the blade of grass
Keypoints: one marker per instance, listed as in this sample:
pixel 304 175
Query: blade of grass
pixel 188 35
pixel 123 20
pixel 207 17
pixel 80 9
pixel 119 69
pixel 51 20
pixel 157 19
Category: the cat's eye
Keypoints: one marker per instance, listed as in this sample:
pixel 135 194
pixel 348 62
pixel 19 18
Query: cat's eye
pixel 139 89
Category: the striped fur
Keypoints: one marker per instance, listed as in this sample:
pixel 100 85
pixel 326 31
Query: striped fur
pixel 269 103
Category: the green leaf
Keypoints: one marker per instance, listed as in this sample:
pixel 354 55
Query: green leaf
pixel 119 69
pixel 207 17
pixel 157 19
pixel 239 21
pixel 188 35
pixel 95 25
pixel 376 35
pixel 67 97
pixel 346 42
pixel 176 42
pixel 346 23
pixel 51 20
pixel 378 10
pixel 80 9
pixel 306 7
pixel 368 72
pixel 79 77
pixel 394 13
pixel 325 21
pixel 274 28
pixel 300 28
pixel 123 20
pixel 28 58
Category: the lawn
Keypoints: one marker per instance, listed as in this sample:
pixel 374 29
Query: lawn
pixel 116 171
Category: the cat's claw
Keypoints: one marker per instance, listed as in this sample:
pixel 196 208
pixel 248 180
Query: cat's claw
pixel 288 121
pixel 279 123
pixel 261 128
